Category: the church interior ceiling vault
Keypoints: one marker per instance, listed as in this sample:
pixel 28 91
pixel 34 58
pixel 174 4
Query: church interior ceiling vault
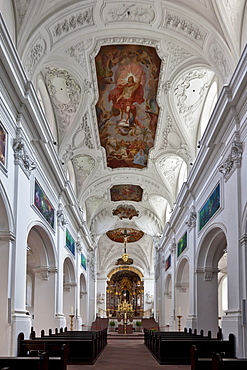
pixel 127 89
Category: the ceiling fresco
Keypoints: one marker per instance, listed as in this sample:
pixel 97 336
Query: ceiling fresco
pixel 127 111
pixel 118 235
pixel 126 192
pixel 125 211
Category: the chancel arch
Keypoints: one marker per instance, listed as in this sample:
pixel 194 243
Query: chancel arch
pixel 212 248
pixel 41 277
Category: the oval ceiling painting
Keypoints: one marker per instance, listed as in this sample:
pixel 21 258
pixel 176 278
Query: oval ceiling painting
pixel 127 110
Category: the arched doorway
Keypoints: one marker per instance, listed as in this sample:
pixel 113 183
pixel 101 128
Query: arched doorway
pixel 212 248
pixel 6 238
pixel 168 302
pixel 83 300
pixel 69 289
pixel 41 279
pixel 182 291
pixel 125 284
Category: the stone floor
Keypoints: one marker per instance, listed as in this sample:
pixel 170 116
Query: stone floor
pixel 127 354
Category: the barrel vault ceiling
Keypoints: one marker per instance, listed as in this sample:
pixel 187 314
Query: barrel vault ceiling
pixel 198 43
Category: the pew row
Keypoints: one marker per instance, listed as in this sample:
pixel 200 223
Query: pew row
pixel 216 362
pixel 176 348
pixel 83 347
pixel 26 363
pixel 98 338
pixel 222 363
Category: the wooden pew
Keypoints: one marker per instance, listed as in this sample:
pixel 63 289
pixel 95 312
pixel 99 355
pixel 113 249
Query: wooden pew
pixel 175 348
pixel 178 351
pixel 82 349
pixel 58 353
pixel 199 363
pixel 220 363
pixel 98 338
pixel 26 363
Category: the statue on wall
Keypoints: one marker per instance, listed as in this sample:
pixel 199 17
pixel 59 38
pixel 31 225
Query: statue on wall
pixel 149 297
pixel 101 298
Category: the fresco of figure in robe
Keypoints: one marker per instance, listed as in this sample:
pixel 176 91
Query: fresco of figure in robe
pixel 127 110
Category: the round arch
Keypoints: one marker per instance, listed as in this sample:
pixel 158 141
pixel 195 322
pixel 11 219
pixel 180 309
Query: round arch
pixel 211 249
pixel 41 276
pixel 6 238
pixel 83 299
pixel 168 319
pixel 69 288
pixel 182 289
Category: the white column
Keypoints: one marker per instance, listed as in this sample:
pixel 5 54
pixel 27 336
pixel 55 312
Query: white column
pixel 60 320
pixel 78 319
pixel 191 320
pixel 21 322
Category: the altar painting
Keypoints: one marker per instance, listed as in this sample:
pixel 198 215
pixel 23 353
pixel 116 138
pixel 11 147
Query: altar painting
pixel 126 192
pixel 43 204
pixel 210 207
pixel 182 244
pixel 2 145
pixel 127 110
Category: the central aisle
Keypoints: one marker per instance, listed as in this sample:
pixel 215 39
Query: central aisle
pixel 127 354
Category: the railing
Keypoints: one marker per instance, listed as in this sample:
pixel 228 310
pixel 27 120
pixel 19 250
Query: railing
pixel 148 313
pixel 102 313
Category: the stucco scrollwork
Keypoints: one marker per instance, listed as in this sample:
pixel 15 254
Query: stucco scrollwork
pixel 75 21
pixel 233 160
pixel 83 165
pixel 120 12
pixel 217 56
pixel 181 93
pixel 173 247
pixel 21 155
pixel 34 55
pixel 83 136
pixel 184 26
pixel 78 53
pixel 65 93
pixel 191 219
pixel 92 264
pixel 176 55
pixel 22 6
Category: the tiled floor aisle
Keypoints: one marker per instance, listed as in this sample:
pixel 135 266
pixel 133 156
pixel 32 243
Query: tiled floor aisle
pixel 127 355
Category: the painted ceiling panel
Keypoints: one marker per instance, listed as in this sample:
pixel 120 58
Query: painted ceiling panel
pixel 127 111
